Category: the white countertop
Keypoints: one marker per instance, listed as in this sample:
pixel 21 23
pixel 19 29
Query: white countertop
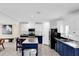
pixel 74 44
pixel 35 40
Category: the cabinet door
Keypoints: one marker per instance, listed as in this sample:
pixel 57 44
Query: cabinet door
pixel 71 51
pixel 62 49
pixel 65 50
pixel 77 52
pixel 68 51
pixel 58 46
pixel 40 39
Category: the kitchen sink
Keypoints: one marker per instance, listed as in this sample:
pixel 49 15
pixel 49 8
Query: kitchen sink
pixel 66 40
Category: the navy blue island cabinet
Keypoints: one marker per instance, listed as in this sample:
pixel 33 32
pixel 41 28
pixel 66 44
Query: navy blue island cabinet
pixel 66 50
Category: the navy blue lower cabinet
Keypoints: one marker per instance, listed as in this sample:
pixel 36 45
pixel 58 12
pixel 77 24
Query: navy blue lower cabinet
pixel 39 39
pixel 61 49
pixel 57 46
pixel 66 50
pixel 71 51
pixel 77 52
pixel 65 53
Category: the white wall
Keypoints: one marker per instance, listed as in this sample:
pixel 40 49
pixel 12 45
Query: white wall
pixel 7 20
pixel 16 30
pixel 72 21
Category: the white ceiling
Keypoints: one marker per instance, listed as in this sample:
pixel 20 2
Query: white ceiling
pixel 37 11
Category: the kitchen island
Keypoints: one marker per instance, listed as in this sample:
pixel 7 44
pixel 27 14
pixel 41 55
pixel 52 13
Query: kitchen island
pixel 40 37
pixel 30 43
pixel 67 48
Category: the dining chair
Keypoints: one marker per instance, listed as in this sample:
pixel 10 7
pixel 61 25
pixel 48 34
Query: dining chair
pixel 2 43
pixel 19 43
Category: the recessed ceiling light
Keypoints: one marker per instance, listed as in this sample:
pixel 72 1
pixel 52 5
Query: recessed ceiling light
pixel 38 12
pixel 32 16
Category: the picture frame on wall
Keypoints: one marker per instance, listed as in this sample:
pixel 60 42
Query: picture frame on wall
pixel 7 29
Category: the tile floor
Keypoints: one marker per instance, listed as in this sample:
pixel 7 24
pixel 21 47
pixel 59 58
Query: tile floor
pixel 10 50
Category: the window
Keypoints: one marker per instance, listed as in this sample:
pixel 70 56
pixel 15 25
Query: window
pixel 67 30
